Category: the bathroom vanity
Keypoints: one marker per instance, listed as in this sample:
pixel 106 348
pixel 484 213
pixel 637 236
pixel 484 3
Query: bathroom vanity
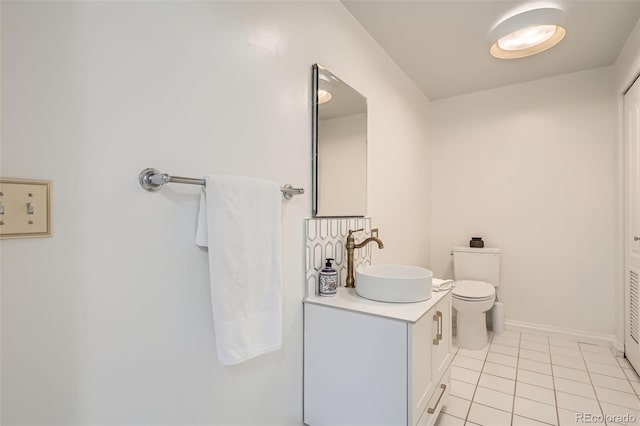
pixel 375 363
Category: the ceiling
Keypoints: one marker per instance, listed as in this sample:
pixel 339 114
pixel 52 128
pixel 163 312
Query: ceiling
pixel 443 45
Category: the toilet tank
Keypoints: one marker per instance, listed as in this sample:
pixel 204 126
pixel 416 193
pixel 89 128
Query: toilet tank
pixel 477 264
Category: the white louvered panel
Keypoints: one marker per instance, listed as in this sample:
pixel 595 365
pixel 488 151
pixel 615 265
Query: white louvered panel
pixel 634 305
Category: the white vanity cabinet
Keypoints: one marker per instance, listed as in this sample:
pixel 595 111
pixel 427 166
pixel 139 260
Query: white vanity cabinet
pixel 373 363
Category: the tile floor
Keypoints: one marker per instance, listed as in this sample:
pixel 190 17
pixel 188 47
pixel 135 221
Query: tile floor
pixel 530 379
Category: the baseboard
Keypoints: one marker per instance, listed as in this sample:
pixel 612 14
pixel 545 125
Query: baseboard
pixel 618 346
pixel 578 335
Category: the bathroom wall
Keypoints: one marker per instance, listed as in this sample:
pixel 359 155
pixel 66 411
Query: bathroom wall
pixel 531 168
pixel 109 321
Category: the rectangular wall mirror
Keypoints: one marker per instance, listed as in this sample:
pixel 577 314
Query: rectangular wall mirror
pixel 339 146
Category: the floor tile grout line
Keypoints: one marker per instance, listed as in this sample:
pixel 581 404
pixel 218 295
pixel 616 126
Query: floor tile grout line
pixel 499 363
pixel 495 408
pixel 553 382
pixel 503 340
pixel 602 363
pixel 627 377
pixel 608 375
pixel 515 381
pixel 470 369
pixel 592 385
pixel 534 350
pixel 534 371
pixel 468 357
pixel 452 359
pixel 449 414
pixel 620 406
pixel 621 365
pixel 532 384
pixel 535 420
pixel 587 371
pixel 633 387
pixel 610 388
pixel 534 400
pixel 475 389
pixel 566 366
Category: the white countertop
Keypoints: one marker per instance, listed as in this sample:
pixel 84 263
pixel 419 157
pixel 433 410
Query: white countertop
pixel 348 299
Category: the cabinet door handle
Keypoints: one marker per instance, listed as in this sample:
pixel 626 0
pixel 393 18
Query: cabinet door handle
pixel 437 318
pixel 439 314
pixel 433 410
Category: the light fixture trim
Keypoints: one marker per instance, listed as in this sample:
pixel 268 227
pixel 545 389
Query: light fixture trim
pixel 528 33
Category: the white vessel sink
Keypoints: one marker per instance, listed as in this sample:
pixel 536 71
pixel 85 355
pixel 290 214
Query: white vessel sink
pixel 394 283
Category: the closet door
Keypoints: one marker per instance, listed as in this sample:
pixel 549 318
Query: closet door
pixel 632 224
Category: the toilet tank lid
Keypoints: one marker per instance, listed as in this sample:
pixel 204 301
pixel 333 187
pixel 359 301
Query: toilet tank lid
pixel 477 250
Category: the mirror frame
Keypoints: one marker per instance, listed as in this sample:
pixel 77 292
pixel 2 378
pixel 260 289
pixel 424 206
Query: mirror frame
pixel 314 139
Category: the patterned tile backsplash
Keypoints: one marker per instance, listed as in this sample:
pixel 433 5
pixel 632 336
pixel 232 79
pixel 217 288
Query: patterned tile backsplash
pixel 326 237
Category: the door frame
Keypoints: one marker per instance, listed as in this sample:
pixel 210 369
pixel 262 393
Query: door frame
pixel 620 255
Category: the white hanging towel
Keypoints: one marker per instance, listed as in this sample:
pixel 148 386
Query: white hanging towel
pixel 240 222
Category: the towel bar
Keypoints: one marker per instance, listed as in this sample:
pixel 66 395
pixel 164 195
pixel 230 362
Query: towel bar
pixel 152 180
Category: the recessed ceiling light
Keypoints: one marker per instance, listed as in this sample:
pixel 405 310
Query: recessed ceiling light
pixel 528 33
pixel 324 96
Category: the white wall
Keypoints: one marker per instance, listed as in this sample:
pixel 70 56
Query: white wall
pixel 531 168
pixel 109 322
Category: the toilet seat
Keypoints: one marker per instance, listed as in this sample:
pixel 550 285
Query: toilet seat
pixel 466 299
pixel 473 291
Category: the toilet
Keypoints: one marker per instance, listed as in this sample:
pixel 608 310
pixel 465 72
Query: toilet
pixel 477 274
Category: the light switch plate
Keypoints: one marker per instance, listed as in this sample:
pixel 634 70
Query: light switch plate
pixel 25 208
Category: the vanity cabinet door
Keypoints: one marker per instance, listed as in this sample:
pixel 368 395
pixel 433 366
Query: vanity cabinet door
pixel 442 337
pixel 355 368
pixel 440 347
pixel 421 376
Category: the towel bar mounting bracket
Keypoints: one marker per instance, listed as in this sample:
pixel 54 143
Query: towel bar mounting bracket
pixel 146 182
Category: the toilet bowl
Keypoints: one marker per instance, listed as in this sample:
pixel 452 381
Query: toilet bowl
pixel 477 275
pixel 471 300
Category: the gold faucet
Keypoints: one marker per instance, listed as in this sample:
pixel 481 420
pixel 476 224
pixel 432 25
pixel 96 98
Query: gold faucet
pixel 351 246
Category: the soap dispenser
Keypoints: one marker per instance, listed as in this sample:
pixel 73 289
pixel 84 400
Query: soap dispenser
pixel 328 280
